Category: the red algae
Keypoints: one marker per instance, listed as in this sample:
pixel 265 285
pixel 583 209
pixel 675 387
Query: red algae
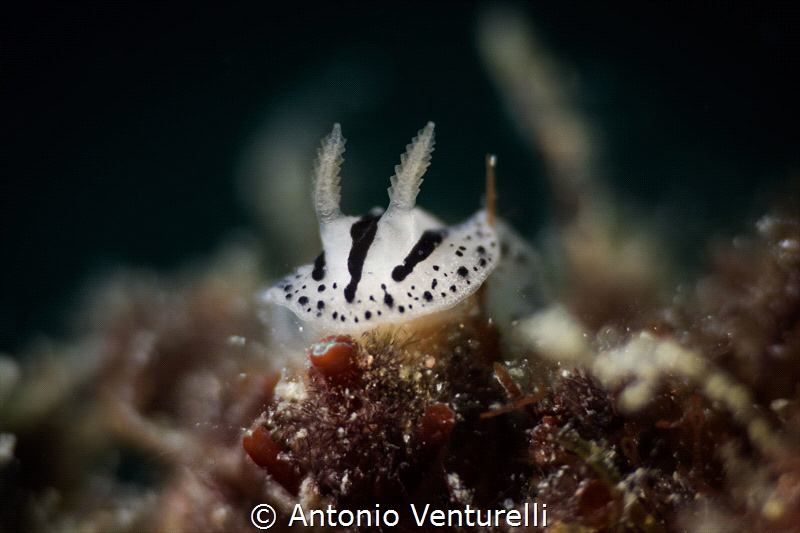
pixel 268 454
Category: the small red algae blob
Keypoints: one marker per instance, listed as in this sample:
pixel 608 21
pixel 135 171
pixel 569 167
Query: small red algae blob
pixel 266 453
pixel 596 504
pixel 334 355
pixel 436 425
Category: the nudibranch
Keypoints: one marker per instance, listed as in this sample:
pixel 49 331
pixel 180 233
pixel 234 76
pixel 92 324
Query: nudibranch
pixel 387 266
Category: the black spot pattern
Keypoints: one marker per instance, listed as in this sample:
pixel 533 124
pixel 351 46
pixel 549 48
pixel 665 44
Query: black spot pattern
pixel 362 233
pixel 442 267
pixel 319 267
pixel 420 252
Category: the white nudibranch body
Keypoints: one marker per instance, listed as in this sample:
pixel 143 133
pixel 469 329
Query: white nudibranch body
pixel 387 266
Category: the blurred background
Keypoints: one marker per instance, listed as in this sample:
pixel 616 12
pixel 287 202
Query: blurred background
pixel 148 134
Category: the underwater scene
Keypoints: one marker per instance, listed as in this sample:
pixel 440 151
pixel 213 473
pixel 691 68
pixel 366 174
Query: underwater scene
pixel 446 266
